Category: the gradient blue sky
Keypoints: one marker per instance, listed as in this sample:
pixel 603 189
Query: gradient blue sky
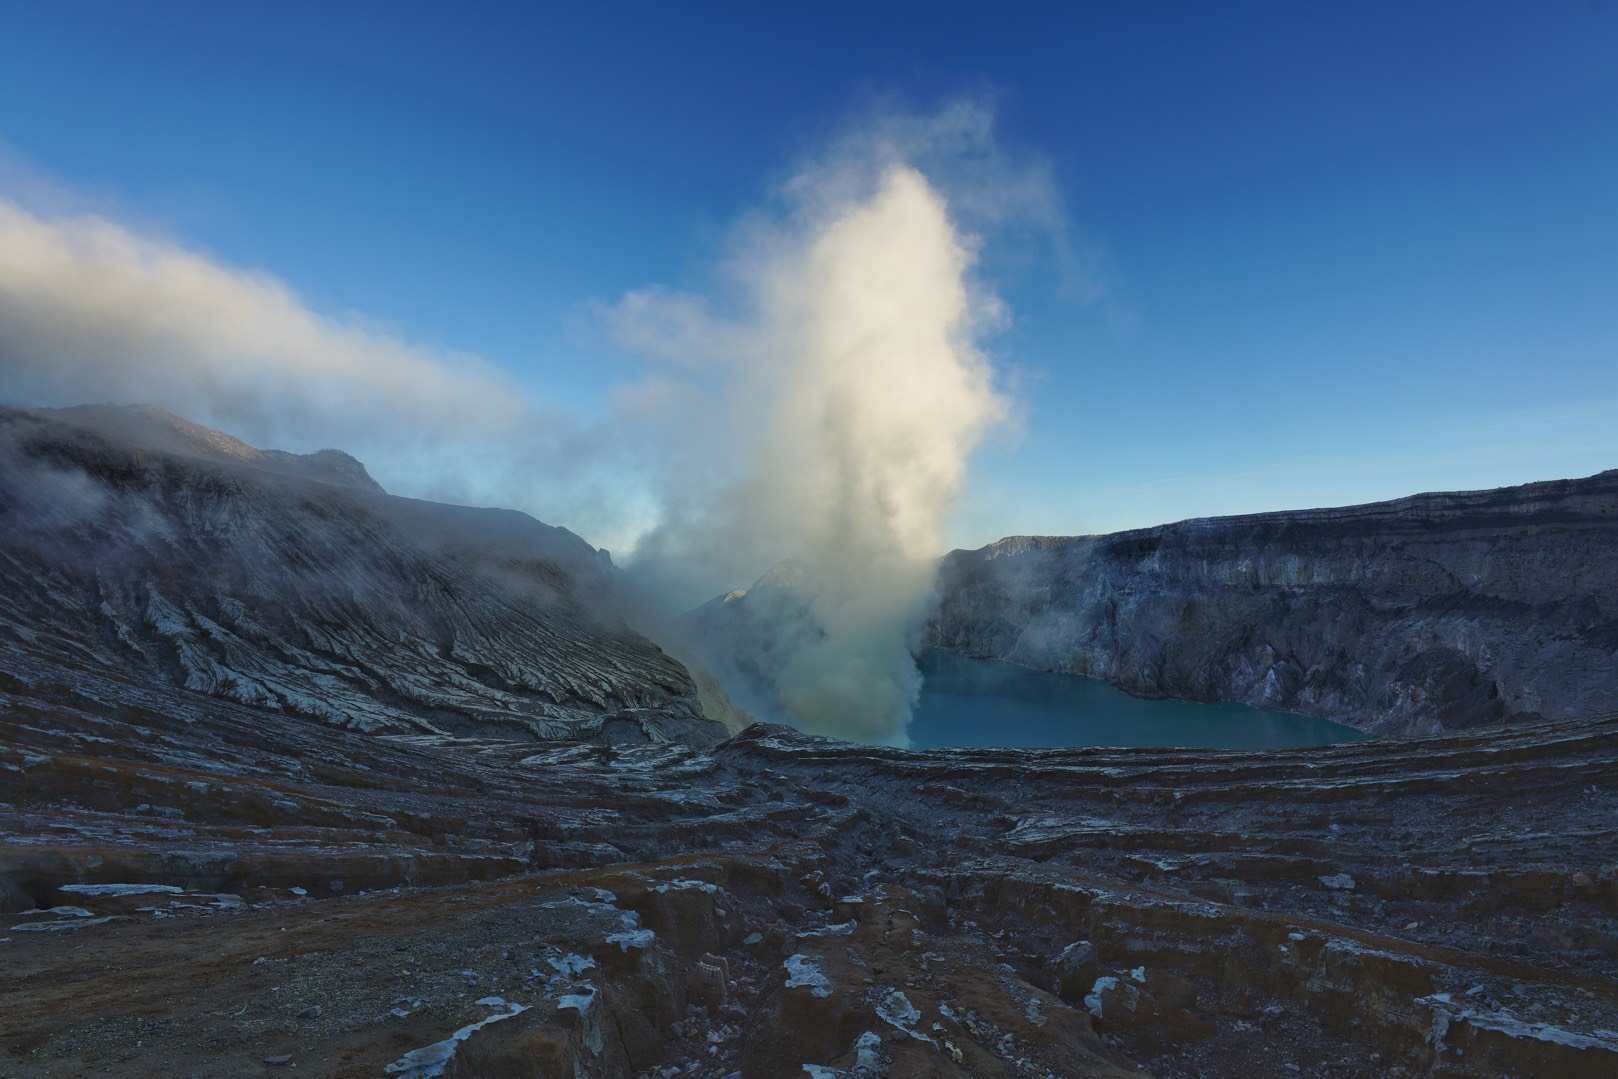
pixel 1345 253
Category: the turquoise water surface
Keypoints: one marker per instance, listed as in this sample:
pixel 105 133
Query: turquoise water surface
pixel 969 702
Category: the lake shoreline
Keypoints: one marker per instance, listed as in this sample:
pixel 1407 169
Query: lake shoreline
pixel 968 702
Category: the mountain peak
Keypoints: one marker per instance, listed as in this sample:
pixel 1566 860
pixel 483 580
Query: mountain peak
pixel 153 427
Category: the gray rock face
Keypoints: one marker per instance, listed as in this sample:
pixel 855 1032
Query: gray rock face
pixel 1421 615
pixel 296 585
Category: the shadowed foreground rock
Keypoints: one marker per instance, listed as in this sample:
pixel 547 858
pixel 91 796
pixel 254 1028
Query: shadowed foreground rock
pixel 196 887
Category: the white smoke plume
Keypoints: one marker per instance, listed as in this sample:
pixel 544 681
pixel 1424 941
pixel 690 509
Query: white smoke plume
pixel 829 415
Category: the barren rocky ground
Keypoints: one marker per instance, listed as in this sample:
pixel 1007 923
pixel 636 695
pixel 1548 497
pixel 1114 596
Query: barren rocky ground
pixel 203 890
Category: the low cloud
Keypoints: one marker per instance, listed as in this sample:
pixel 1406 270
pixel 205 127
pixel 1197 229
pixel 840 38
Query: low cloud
pixel 87 305
pixel 93 311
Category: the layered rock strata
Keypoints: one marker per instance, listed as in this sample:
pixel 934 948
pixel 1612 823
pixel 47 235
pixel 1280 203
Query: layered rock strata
pixel 1435 613
pixel 168 555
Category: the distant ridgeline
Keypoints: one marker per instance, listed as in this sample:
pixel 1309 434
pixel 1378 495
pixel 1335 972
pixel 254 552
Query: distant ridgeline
pixel 1421 615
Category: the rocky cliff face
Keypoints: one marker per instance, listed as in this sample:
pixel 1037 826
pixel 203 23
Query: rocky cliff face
pixel 1432 613
pixel 136 544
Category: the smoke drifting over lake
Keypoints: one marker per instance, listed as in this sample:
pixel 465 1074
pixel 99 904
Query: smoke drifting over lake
pixel 850 393
pixel 815 406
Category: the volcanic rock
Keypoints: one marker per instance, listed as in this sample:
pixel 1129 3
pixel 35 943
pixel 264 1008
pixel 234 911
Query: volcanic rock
pixel 1423 615
pixel 153 550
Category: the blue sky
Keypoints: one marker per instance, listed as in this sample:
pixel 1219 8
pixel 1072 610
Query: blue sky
pixel 1343 254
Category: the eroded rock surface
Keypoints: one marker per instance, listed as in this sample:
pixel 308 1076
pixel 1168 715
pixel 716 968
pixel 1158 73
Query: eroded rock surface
pixel 1422 615
pixel 195 887
pixel 158 552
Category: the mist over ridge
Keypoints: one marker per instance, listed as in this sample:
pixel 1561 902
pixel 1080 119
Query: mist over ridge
pixel 816 403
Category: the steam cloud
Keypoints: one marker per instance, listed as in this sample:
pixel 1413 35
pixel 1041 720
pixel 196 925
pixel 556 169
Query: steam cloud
pixel 816 410
pixel 851 393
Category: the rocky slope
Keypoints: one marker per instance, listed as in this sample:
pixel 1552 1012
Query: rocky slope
pixel 137 545
pixel 1435 613
pixel 192 886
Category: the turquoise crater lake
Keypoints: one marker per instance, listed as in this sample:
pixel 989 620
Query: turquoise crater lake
pixel 968 703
